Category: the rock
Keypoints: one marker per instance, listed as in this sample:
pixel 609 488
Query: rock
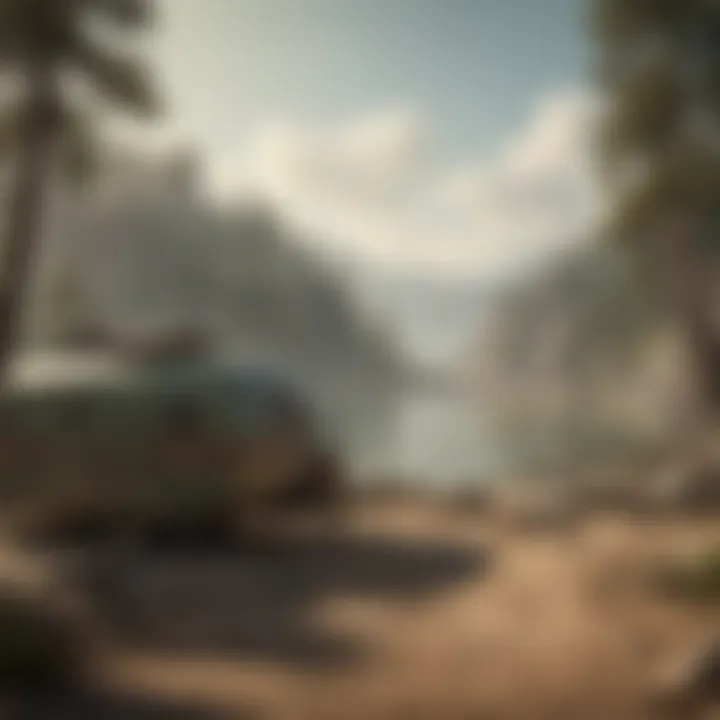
pixel 704 673
pixel 544 510
pixel 695 684
pixel 690 486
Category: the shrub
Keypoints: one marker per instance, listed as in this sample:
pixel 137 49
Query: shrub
pixel 698 579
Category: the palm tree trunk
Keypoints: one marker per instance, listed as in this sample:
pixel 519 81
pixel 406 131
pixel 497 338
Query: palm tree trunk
pixel 704 351
pixel 693 297
pixel 25 206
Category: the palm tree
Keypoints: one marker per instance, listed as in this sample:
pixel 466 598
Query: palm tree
pixel 659 65
pixel 51 50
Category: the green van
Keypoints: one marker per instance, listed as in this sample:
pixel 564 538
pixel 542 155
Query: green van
pixel 99 442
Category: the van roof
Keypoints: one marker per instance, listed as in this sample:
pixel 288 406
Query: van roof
pixel 82 371
pixel 241 398
pixel 65 370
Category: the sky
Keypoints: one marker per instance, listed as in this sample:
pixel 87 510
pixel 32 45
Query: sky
pixel 438 140
pixel 479 66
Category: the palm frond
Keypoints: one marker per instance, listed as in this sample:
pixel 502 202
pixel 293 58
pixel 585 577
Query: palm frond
pixel 687 183
pixel 11 32
pixel 648 110
pixel 129 13
pixel 119 78
pixel 39 29
pixel 619 21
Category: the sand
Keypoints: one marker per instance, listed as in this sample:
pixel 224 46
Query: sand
pixel 421 612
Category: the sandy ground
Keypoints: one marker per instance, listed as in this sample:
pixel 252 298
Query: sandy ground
pixel 420 613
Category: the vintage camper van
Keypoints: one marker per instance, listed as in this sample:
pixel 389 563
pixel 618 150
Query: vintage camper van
pixel 94 441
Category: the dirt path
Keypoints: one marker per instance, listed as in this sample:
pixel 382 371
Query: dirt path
pixel 421 614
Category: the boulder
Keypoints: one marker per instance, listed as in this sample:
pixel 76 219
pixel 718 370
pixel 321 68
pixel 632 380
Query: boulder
pixel 690 486
pixel 694 685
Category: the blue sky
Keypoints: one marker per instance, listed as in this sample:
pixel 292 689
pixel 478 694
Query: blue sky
pixel 479 66
pixel 426 145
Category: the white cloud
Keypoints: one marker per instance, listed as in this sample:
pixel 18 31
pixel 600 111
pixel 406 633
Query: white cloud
pixel 384 147
pixel 367 187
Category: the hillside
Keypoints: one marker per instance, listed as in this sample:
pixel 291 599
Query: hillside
pixel 581 352
pixel 148 250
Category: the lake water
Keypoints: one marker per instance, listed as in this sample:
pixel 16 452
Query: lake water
pixel 435 438
pixel 445 438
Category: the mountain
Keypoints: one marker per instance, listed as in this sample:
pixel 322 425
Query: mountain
pixel 583 349
pixel 435 316
pixel 148 251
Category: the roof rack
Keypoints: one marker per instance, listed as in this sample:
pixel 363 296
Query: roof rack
pixel 164 347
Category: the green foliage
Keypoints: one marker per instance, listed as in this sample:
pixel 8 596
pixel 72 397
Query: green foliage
pixel 697 579
pixel 659 63
pixel 625 20
pixel 58 37
pixel 44 45
pixel 659 66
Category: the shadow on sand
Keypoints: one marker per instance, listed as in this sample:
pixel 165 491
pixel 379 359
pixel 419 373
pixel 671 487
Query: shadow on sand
pixel 94 706
pixel 259 606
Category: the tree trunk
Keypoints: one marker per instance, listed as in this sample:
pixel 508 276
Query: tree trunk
pixel 25 206
pixel 705 356
pixel 694 304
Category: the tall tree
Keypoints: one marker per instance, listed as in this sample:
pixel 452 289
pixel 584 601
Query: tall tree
pixel 659 65
pixel 51 50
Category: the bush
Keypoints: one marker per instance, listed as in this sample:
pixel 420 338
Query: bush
pixel 40 646
pixel 698 579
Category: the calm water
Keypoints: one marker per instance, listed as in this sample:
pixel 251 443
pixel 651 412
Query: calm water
pixel 430 437
pixel 443 439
